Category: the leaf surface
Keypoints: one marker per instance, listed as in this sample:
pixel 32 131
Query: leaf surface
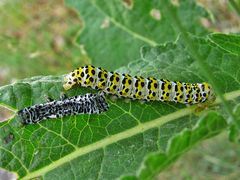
pixel 208 126
pixel 230 43
pixel 113 32
pixel 116 143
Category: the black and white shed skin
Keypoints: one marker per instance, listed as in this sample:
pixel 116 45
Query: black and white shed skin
pixel 84 104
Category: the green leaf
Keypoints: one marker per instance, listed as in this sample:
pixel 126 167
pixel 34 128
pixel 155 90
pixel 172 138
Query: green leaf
pixel 208 126
pixel 113 32
pixel 234 134
pixel 193 49
pixel 228 42
pixel 115 144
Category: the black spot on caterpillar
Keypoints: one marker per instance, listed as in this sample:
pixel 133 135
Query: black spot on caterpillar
pixel 137 87
pixel 85 104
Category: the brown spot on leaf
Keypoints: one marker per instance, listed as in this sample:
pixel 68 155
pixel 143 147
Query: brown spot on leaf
pixel 205 22
pixel 155 13
pixel 8 138
pixel 128 4
pixel 5 114
pixel 105 24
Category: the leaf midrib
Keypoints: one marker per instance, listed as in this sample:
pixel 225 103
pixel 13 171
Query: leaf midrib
pixel 123 135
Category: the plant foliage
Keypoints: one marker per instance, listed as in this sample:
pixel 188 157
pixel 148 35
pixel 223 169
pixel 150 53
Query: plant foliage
pixel 133 139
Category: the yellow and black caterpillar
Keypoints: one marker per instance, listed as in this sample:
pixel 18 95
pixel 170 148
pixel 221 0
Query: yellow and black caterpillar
pixel 137 87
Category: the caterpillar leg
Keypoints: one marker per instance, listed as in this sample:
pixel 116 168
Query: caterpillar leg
pixel 127 100
pixel 113 98
pixel 200 108
pixel 102 93
pixel 143 101
pixel 205 106
pixel 48 99
pixel 63 96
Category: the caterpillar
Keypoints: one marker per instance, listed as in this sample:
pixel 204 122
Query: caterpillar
pixel 137 87
pixel 85 104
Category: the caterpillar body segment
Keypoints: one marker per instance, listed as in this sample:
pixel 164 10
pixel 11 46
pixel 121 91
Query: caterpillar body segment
pixel 138 87
pixel 85 104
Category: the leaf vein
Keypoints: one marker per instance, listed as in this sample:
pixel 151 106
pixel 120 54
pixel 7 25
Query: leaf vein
pixel 124 28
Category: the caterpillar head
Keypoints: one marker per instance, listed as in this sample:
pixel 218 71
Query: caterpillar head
pixel 25 115
pixel 83 76
pixel 68 81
